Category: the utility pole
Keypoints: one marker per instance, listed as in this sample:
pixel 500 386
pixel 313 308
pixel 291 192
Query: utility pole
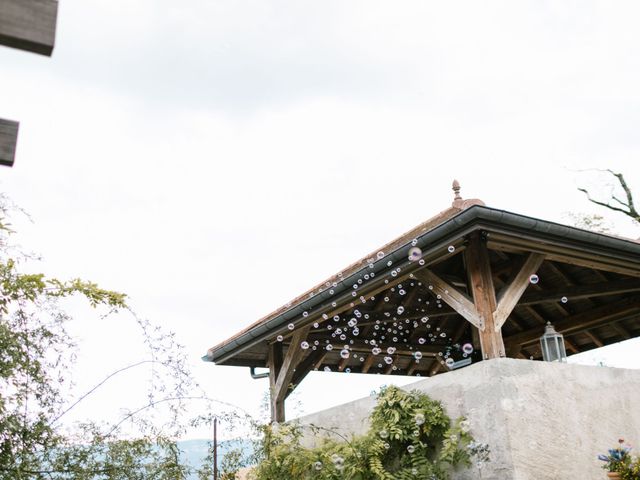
pixel 215 448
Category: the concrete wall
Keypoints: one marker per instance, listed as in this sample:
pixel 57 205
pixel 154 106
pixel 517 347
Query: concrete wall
pixel 542 421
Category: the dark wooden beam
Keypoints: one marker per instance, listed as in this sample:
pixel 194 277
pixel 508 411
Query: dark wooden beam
pixel 509 296
pixel 581 291
pixel 401 350
pixel 368 363
pixel 621 331
pixel 596 341
pixel 304 367
pixel 29 25
pixel 8 140
pixel 484 296
pixel 437 366
pixel 412 367
pixel 294 354
pixel 582 321
pixel 562 254
pixel 318 363
pixel 275 365
pixel 343 364
pixel 451 295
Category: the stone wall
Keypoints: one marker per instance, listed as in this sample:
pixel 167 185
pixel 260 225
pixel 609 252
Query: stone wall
pixel 542 421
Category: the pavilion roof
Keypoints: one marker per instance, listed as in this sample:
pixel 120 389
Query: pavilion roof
pixel 588 285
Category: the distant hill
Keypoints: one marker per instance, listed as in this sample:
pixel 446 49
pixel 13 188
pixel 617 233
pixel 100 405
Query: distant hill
pixel 194 452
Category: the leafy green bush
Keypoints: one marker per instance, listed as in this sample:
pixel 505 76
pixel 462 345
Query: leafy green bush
pixel 410 437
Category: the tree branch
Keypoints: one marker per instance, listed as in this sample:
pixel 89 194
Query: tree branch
pixel 628 207
pixel 98 386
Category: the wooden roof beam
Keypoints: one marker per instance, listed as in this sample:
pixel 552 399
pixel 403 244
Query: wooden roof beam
pixel 437 366
pixel 368 363
pixel 582 321
pixel 596 341
pixel 451 296
pixel 581 291
pixel 558 253
pixel 412 367
pixel 293 356
pixel 305 366
pixel 508 297
pixel 318 363
pixel 621 331
pixel 343 364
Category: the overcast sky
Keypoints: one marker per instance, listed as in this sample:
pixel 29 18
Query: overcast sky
pixel 214 159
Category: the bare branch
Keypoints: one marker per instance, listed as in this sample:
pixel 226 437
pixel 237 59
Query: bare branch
pixel 602 204
pixel 98 386
pixel 627 207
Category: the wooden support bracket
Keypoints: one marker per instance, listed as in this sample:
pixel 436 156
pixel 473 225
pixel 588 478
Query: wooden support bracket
pixel 509 296
pixel 452 296
pixel 286 372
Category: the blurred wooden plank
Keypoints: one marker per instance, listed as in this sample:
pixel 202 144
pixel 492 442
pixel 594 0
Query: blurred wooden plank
pixel 29 25
pixel 8 141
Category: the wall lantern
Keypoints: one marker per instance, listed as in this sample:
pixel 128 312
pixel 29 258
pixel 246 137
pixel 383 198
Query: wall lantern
pixel 552 345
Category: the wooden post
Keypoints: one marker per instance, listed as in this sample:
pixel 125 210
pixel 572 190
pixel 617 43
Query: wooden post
pixel 29 25
pixel 281 384
pixel 275 365
pixel 484 296
pixel 8 141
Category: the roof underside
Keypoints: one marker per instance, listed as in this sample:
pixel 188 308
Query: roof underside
pixel 385 317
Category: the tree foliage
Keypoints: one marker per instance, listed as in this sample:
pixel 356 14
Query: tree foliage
pixel 36 357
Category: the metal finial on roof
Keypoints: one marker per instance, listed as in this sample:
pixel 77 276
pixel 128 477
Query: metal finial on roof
pixel 456 190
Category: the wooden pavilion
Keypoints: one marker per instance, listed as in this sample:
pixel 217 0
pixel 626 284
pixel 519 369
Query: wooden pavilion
pixel 470 284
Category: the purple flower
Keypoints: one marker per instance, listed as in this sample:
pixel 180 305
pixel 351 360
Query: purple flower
pixel 604 458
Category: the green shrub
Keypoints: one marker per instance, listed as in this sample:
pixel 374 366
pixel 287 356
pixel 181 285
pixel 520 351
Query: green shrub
pixel 410 437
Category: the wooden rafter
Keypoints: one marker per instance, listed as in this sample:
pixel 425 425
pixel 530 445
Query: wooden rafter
pixel 368 363
pixel 621 331
pixel 437 366
pixel 559 253
pixel 451 296
pixel 577 292
pixel 304 367
pixel 318 363
pixel 412 367
pixel 362 347
pixel 509 296
pixel 596 341
pixel 575 323
pixel 343 364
